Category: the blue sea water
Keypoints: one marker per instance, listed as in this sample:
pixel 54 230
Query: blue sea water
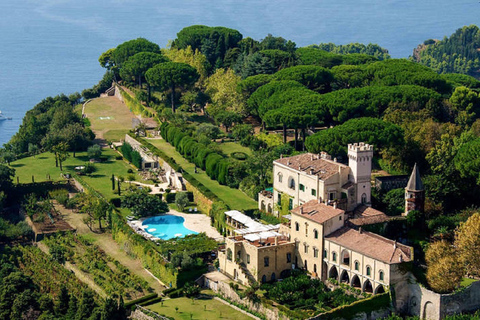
pixel 50 47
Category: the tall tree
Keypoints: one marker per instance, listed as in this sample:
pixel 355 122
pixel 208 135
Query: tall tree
pixel 136 66
pixel 467 240
pixel 444 271
pixel 170 75
pixel 61 153
pixel 132 47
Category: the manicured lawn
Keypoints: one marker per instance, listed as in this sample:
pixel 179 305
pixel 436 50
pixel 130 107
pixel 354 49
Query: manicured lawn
pixel 43 166
pixel 467 281
pixel 229 147
pixel 234 198
pixel 111 119
pixel 207 308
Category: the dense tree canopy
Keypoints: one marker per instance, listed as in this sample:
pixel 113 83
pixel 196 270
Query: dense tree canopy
pixel 403 72
pixel 370 49
pixel 377 132
pixel 313 77
pixel 135 67
pixel 170 75
pixel 455 54
pixel 129 48
pixel 213 42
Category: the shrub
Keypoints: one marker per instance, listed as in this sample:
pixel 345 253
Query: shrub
pixel 239 155
pixel 170 197
pixel 61 195
pixel 181 200
pixel 129 170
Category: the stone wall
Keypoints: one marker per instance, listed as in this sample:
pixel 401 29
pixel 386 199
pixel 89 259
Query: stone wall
pixel 225 291
pixel 414 299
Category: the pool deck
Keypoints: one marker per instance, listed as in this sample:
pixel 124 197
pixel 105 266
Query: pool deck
pixel 197 222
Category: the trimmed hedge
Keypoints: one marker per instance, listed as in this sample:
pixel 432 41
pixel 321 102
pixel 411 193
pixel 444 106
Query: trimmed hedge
pixel 170 197
pixel 215 164
pixel 217 213
pixel 131 155
pixel 133 104
pixel 175 166
pixel 140 300
pixel 150 302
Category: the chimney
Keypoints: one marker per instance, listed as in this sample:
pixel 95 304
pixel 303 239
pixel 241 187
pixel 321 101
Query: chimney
pixel 335 159
pixel 276 240
pixel 395 245
pixel 319 200
pixel 311 171
pixel 400 258
pixel 288 162
pixel 299 168
pixel 360 230
pixel 335 205
pixel 281 156
pixel 301 210
pixel 311 157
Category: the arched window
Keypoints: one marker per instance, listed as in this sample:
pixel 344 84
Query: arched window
pixel 315 233
pixel 357 265
pixel 345 257
pixel 229 254
pixel 334 256
pixel 273 277
pixel 266 262
pixel 264 279
pixel 291 183
pixel 364 198
pixel 239 254
pixel 280 177
pixel 369 271
pixel 380 275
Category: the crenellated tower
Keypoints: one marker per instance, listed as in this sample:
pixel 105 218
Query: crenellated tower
pixel 360 157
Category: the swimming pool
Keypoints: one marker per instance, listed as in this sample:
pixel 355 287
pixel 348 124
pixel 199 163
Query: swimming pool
pixel 166 227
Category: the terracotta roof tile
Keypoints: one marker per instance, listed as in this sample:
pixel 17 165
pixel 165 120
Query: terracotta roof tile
pixel 312 164
pixel 372 245
pixel 364 215
pixel 318 212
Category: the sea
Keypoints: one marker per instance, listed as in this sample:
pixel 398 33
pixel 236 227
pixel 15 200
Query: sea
pixel 50 47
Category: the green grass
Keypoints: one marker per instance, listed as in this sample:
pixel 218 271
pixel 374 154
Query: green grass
pixel 229 147
pixel 207 308
pixel 466 282
pixel 43 165
pixel 120 122
pixel 234 198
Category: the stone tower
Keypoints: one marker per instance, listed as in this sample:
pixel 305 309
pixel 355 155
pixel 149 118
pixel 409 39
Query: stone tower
pixel 414 192
pixel 360 162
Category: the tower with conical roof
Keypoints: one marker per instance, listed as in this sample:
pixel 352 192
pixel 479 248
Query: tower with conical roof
pixel 414 192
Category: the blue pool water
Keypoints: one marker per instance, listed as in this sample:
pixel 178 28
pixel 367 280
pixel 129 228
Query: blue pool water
pixel 167 227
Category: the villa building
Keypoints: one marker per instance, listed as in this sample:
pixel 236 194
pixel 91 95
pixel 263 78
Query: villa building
pixel 318 241
pixel 310 176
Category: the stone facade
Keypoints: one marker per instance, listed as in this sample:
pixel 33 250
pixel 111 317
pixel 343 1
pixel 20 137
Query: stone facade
pixel 310 176
pixel 262 260
pixel 149 160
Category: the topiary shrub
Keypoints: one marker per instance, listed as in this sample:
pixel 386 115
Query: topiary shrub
pixel 239 155
pixel 170 197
